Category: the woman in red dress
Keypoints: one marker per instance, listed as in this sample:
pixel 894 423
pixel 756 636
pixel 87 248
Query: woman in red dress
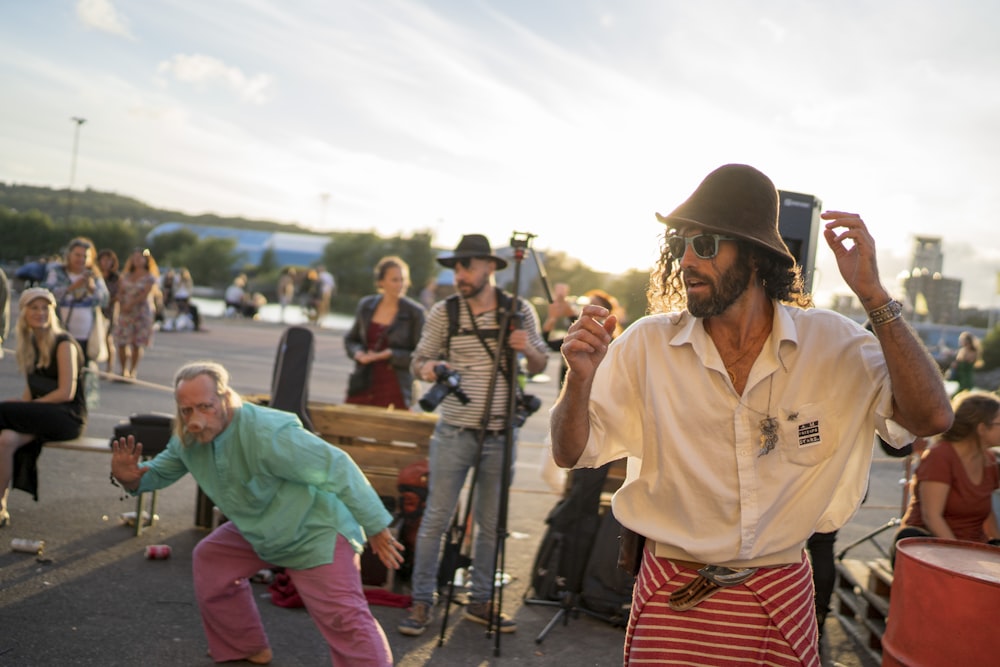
pixel 385 332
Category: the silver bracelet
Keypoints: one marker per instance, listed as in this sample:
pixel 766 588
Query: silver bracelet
pixel 885 314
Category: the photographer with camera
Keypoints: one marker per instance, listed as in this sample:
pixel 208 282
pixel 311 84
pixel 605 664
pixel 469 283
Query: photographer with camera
pixel 457 350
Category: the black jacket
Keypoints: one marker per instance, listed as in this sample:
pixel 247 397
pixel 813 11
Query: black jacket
pixel 404 333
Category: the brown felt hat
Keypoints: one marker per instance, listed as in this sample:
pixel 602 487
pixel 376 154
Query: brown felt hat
pixel 472 246
pixel 736 200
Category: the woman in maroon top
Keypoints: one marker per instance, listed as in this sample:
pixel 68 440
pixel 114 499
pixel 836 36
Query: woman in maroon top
pixel 954 483
pixel 385 332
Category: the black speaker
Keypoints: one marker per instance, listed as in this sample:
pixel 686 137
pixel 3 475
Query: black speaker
pixel 798 224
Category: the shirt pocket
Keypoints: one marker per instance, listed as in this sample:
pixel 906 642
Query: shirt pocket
pixel 807 435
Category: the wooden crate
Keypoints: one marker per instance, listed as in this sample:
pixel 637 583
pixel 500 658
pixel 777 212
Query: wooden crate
pixel 861 601
pixel 381 441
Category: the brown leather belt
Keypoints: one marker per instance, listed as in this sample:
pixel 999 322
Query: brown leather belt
pixel 710 579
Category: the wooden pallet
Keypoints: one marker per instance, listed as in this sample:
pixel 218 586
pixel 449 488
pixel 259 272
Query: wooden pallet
pixel 861 601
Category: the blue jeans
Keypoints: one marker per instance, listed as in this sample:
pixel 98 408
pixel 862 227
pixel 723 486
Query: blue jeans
pixel 453 453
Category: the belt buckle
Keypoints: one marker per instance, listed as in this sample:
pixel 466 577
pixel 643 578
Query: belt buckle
pixel 726 576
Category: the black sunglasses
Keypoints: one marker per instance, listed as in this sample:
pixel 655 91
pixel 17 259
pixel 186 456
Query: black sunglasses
pixel 706 246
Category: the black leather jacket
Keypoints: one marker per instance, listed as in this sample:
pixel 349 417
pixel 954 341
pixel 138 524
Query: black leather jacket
pixel 402 338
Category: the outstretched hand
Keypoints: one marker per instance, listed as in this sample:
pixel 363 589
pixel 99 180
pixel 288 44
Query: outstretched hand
pixel 125 456
pixel 388 549
pixel 857 262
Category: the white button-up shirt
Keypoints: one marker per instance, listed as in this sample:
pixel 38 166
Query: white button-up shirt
pixel 698 484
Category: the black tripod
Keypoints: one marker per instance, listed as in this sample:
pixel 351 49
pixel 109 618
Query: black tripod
pixel 504 360
pixel 561 563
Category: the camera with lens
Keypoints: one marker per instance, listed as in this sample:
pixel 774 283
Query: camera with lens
pixel 447 381
pixel 525 406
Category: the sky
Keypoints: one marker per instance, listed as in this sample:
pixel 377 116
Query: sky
pixel 572 120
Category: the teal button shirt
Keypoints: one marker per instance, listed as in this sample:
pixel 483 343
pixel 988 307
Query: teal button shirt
pixel 287 490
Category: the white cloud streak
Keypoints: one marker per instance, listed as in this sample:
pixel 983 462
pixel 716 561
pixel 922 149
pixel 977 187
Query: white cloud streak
pixel 102 15
pixel 206 71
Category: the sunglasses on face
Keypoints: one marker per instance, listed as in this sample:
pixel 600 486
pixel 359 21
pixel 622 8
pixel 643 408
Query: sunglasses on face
pixel 706 246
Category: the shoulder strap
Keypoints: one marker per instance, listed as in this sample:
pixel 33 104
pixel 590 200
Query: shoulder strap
pixel 452 303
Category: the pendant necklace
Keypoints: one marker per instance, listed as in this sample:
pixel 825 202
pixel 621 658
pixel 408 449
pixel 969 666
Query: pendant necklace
pixel 768 425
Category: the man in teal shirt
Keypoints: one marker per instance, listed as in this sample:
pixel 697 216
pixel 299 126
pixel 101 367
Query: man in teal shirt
pixel 292 500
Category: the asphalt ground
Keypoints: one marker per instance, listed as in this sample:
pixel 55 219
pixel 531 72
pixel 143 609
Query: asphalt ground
pixel 97 600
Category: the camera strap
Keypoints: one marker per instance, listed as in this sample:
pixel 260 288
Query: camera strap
pixel 481 336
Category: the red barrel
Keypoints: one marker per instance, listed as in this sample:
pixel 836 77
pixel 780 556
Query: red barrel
pixel 943 605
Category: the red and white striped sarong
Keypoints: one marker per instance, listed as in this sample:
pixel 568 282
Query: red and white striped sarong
pixel 770 619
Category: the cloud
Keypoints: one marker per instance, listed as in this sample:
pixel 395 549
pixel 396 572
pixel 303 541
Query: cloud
pixel 206 70
pixel 102 15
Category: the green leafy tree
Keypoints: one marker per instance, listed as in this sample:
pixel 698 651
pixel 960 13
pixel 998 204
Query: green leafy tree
pixel 352 257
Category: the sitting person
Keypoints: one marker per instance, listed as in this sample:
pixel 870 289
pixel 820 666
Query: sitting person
pixel 53 406
pixel 952 488
pixel 237 300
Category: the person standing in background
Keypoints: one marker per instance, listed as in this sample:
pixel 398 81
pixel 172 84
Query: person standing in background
pixel 286 289
pixel 327 288
pixel 107 260
pixel 470 433
pixel 134 329
pixel 79 290
pixel 384 335
pixel 968 359
pixel 4 308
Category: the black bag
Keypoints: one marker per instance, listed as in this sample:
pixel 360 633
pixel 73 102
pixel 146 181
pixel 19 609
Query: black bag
pixel 153 430
pixel 573 522
pixel 360 379
pixel 607 589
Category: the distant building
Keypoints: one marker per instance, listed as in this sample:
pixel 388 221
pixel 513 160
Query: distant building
pixel 931 296
pixel 290 249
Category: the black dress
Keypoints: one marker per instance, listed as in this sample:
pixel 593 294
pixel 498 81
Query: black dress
pixel 47 421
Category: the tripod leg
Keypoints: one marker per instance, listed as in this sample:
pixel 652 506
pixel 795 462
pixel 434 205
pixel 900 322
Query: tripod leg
pixel 561 615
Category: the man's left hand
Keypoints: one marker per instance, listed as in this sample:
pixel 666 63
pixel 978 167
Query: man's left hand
pixel 388 549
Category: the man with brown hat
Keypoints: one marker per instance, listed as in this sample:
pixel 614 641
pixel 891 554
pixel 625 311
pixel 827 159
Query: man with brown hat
pixel 750 419
pixel 472 431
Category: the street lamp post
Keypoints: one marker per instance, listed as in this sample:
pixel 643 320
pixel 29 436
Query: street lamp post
pixel 72 170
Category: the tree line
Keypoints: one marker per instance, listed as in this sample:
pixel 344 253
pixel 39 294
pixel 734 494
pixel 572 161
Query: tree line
pixel 39 222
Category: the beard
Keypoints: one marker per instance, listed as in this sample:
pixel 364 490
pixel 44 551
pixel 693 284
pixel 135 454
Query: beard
pixel 471 290
pixel 724 293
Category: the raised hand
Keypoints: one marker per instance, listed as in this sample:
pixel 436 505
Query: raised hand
pixel 854 248
pixel 125 456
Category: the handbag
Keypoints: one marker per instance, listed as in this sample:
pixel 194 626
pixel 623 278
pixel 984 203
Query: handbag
pixel 360 379
pixel 97 342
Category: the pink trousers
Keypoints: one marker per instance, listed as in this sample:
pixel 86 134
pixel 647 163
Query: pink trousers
pixel 333 595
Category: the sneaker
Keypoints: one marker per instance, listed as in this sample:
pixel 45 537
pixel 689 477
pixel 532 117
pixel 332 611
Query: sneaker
pixel 479 612
pixel 4 519
pixel 418 620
